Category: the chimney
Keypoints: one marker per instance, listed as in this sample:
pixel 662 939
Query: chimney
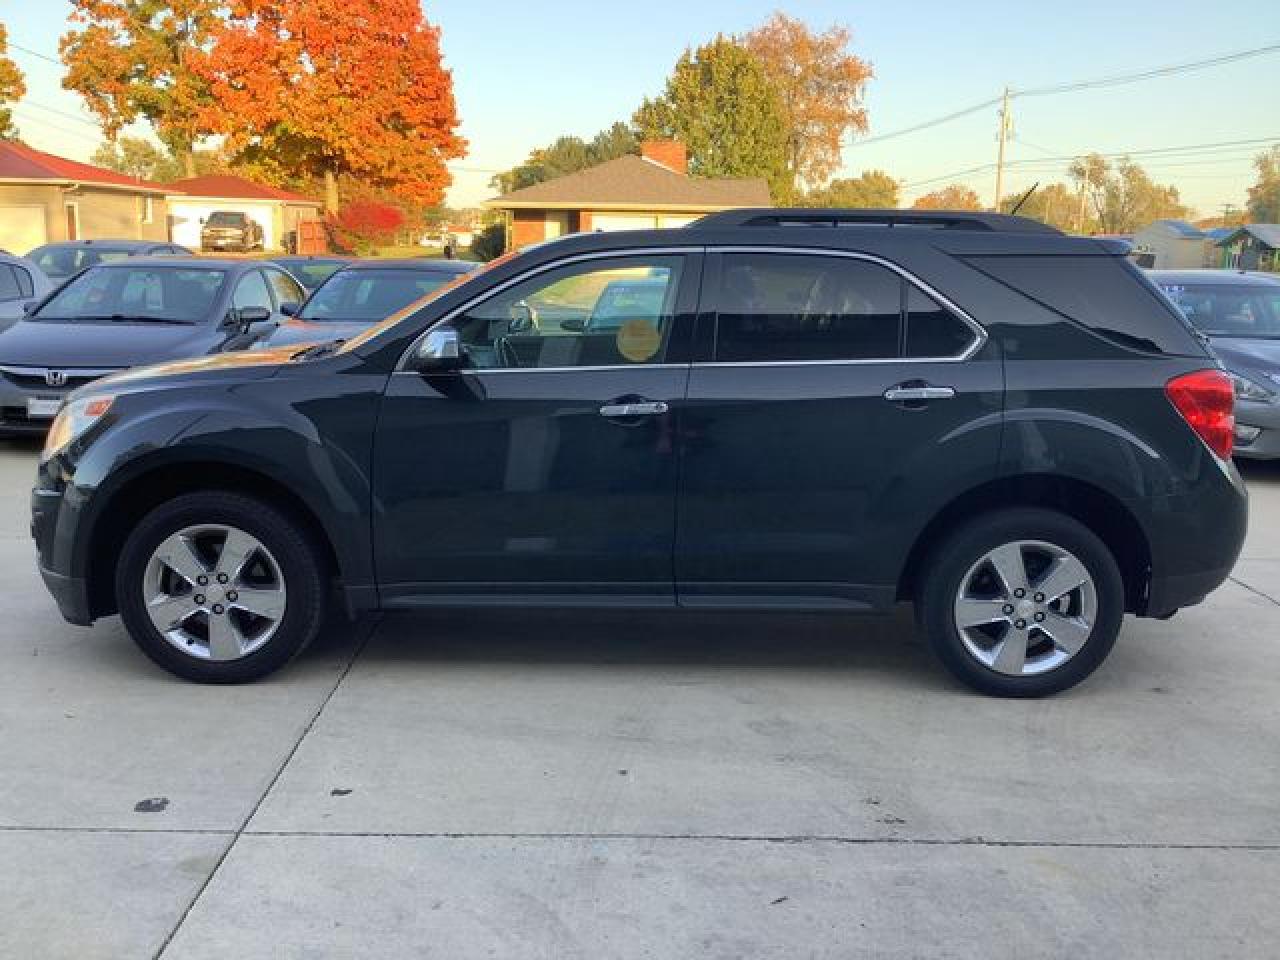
pixel 671 154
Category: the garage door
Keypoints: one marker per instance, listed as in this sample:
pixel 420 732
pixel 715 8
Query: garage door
pixel 21 228
pixel 623 221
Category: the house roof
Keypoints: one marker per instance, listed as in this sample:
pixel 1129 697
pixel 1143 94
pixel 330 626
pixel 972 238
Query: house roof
pixel 225 187
pixel 20 162
pixel 632 182
pixel 1217 233
pixel 1268 234
pixel 1181 228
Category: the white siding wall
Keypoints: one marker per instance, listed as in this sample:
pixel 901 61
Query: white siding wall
pixel 186 214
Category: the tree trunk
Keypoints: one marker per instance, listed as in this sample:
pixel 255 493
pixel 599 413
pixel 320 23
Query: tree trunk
pixel 188 158
pixel 330 191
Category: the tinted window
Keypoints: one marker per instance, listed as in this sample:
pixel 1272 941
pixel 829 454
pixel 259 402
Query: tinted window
pixel 1105 294
pixel 9 289
pixel 1229 310
pixel 932 330
pixel 577 316
pixel 781 307
pixel 57 261
pixel 285 287
pixel 224 219
pixel 251 291
pixel 171 293
pixel 371 294
pixel 311 273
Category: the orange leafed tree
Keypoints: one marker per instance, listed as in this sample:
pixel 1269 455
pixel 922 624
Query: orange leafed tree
pixel 820 86
pixel 12 86
pixel 955 196
pixel 335 87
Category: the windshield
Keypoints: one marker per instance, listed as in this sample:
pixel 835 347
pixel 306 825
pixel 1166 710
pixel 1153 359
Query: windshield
pixel 370 294
pixel 160 293
pixel 225 219
pixel 1229 309
pixel 311 273
pixel 59 262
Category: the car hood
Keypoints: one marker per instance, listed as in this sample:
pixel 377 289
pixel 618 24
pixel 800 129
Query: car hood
pixel 297 331
pixel 32 343
pixel 243 364
pixel 1242 351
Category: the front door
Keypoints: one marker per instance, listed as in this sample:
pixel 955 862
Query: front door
pixel 545 468
pixel 834 409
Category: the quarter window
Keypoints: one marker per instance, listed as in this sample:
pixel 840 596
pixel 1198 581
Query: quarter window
pixel 932 330
pixel 602 313
pixel 784 307
pixel 285 287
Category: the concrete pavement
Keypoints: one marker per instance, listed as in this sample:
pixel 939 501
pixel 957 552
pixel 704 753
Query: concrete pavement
pixel 464 785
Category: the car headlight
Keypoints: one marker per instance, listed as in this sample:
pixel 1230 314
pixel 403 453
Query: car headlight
pixel 1247 389
pixel 72 422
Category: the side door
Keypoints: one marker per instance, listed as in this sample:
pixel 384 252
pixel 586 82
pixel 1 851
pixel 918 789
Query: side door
pixel 546 466
pixel 250 291
pixel 834 406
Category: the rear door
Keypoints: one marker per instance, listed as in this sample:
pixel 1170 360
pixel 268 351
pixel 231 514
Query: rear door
pixel 835 404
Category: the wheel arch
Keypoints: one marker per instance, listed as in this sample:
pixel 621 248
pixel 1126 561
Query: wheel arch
pixel 1102 512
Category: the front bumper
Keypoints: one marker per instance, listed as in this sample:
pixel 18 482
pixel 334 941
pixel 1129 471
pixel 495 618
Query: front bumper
pixel 15 416
pixel 71 593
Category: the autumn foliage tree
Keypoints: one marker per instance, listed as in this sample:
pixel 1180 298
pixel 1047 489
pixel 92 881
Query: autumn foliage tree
pixel 12 87
pixel 332 87
pixel 1123 196
pixel 954 196
pixel 820 86
pixel 132 59
pixel 1264 195
pixel 872 189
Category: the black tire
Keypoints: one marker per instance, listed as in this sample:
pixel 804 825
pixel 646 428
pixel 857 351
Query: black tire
pixel 300 565
pixel 952 559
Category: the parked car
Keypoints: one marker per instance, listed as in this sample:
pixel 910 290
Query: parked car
pixel 363 292
pixel 1240 314
pixel 66 258
pixel 311 271
pixel 827 410
pixel 121 314
pixel 231 230
pixel 22 284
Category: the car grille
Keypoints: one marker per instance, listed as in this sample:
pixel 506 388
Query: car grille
pixel 37 378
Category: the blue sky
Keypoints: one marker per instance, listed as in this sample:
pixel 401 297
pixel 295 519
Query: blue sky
pixel 527 72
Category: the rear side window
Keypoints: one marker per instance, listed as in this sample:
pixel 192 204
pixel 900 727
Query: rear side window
pixel 9 288
pixel 1104 294
pixel 804 307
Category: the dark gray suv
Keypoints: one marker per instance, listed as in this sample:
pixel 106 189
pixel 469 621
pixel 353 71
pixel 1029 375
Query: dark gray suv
pixel 801 410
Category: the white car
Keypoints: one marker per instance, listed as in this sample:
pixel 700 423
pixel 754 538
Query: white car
pixel 21 283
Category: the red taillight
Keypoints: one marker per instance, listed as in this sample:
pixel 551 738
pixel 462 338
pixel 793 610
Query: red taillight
pixel 1207 401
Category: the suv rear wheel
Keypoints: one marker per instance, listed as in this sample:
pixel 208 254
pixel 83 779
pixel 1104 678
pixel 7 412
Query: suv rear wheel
pixel 219 588
pixel 1021 603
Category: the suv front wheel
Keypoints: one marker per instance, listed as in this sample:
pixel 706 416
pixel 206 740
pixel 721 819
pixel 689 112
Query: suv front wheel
pixel 1021 602
pixel 219 588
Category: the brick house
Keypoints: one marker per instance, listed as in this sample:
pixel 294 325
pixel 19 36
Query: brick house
pixel 653 189
pixel 44 198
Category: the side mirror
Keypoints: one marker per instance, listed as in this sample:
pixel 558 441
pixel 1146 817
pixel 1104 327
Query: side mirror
pixel 290 309
pixel 440 349
pixel 574 324
pixel 522 318
pixel 248 316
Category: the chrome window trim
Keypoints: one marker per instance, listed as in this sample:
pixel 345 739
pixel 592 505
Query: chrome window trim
pixel 402 365
pixel 979 332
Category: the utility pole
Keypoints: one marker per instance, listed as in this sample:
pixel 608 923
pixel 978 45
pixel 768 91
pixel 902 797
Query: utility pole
pixel 1006 122
pixel 1226 212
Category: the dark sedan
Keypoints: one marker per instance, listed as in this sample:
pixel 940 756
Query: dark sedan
pixel 311 271
pixel 68 257
pixel 1240 314
pixel 138 311
pixel 364 293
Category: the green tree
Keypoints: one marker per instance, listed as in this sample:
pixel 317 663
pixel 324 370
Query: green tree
pixel 1264 196
pixel 721 104
pixel 1122 196
pixel 567 155
pixel 874 189
pixel 1056 204
pixel 137 158
pixel 12 87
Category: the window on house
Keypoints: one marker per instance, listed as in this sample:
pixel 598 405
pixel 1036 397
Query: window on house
pixel 148 212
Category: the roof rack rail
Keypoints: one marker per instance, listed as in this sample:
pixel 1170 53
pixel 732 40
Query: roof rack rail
pixel 842 217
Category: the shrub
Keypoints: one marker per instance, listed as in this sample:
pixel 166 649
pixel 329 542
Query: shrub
pixel 490 242
pixel 364 224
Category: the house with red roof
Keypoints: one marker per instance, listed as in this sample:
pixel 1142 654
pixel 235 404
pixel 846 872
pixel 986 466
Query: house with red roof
pixel 191 201
pixel 45 198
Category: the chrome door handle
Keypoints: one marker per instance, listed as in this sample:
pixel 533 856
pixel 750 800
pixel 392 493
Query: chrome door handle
pixel 648 408
pixel 898 394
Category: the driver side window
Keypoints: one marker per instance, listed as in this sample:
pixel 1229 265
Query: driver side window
pixel 615 312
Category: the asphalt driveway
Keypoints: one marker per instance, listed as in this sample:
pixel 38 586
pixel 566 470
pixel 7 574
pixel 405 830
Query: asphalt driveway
pixel 563 786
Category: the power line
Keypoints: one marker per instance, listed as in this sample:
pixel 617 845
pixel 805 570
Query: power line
pixel 1108 81
pixel 35 53
pixel 61 113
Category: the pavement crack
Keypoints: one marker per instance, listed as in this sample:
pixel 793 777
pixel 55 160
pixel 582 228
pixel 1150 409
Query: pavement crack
pixel 1252 589
pixel 280 768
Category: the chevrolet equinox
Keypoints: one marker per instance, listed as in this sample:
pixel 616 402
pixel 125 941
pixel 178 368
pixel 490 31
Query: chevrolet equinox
pixel 786 410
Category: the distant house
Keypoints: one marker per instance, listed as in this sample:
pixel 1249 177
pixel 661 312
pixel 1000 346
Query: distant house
pixel 1255 246
pixel 1171 245
pixel 627 193
pixel 278 211
pixel 45 198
